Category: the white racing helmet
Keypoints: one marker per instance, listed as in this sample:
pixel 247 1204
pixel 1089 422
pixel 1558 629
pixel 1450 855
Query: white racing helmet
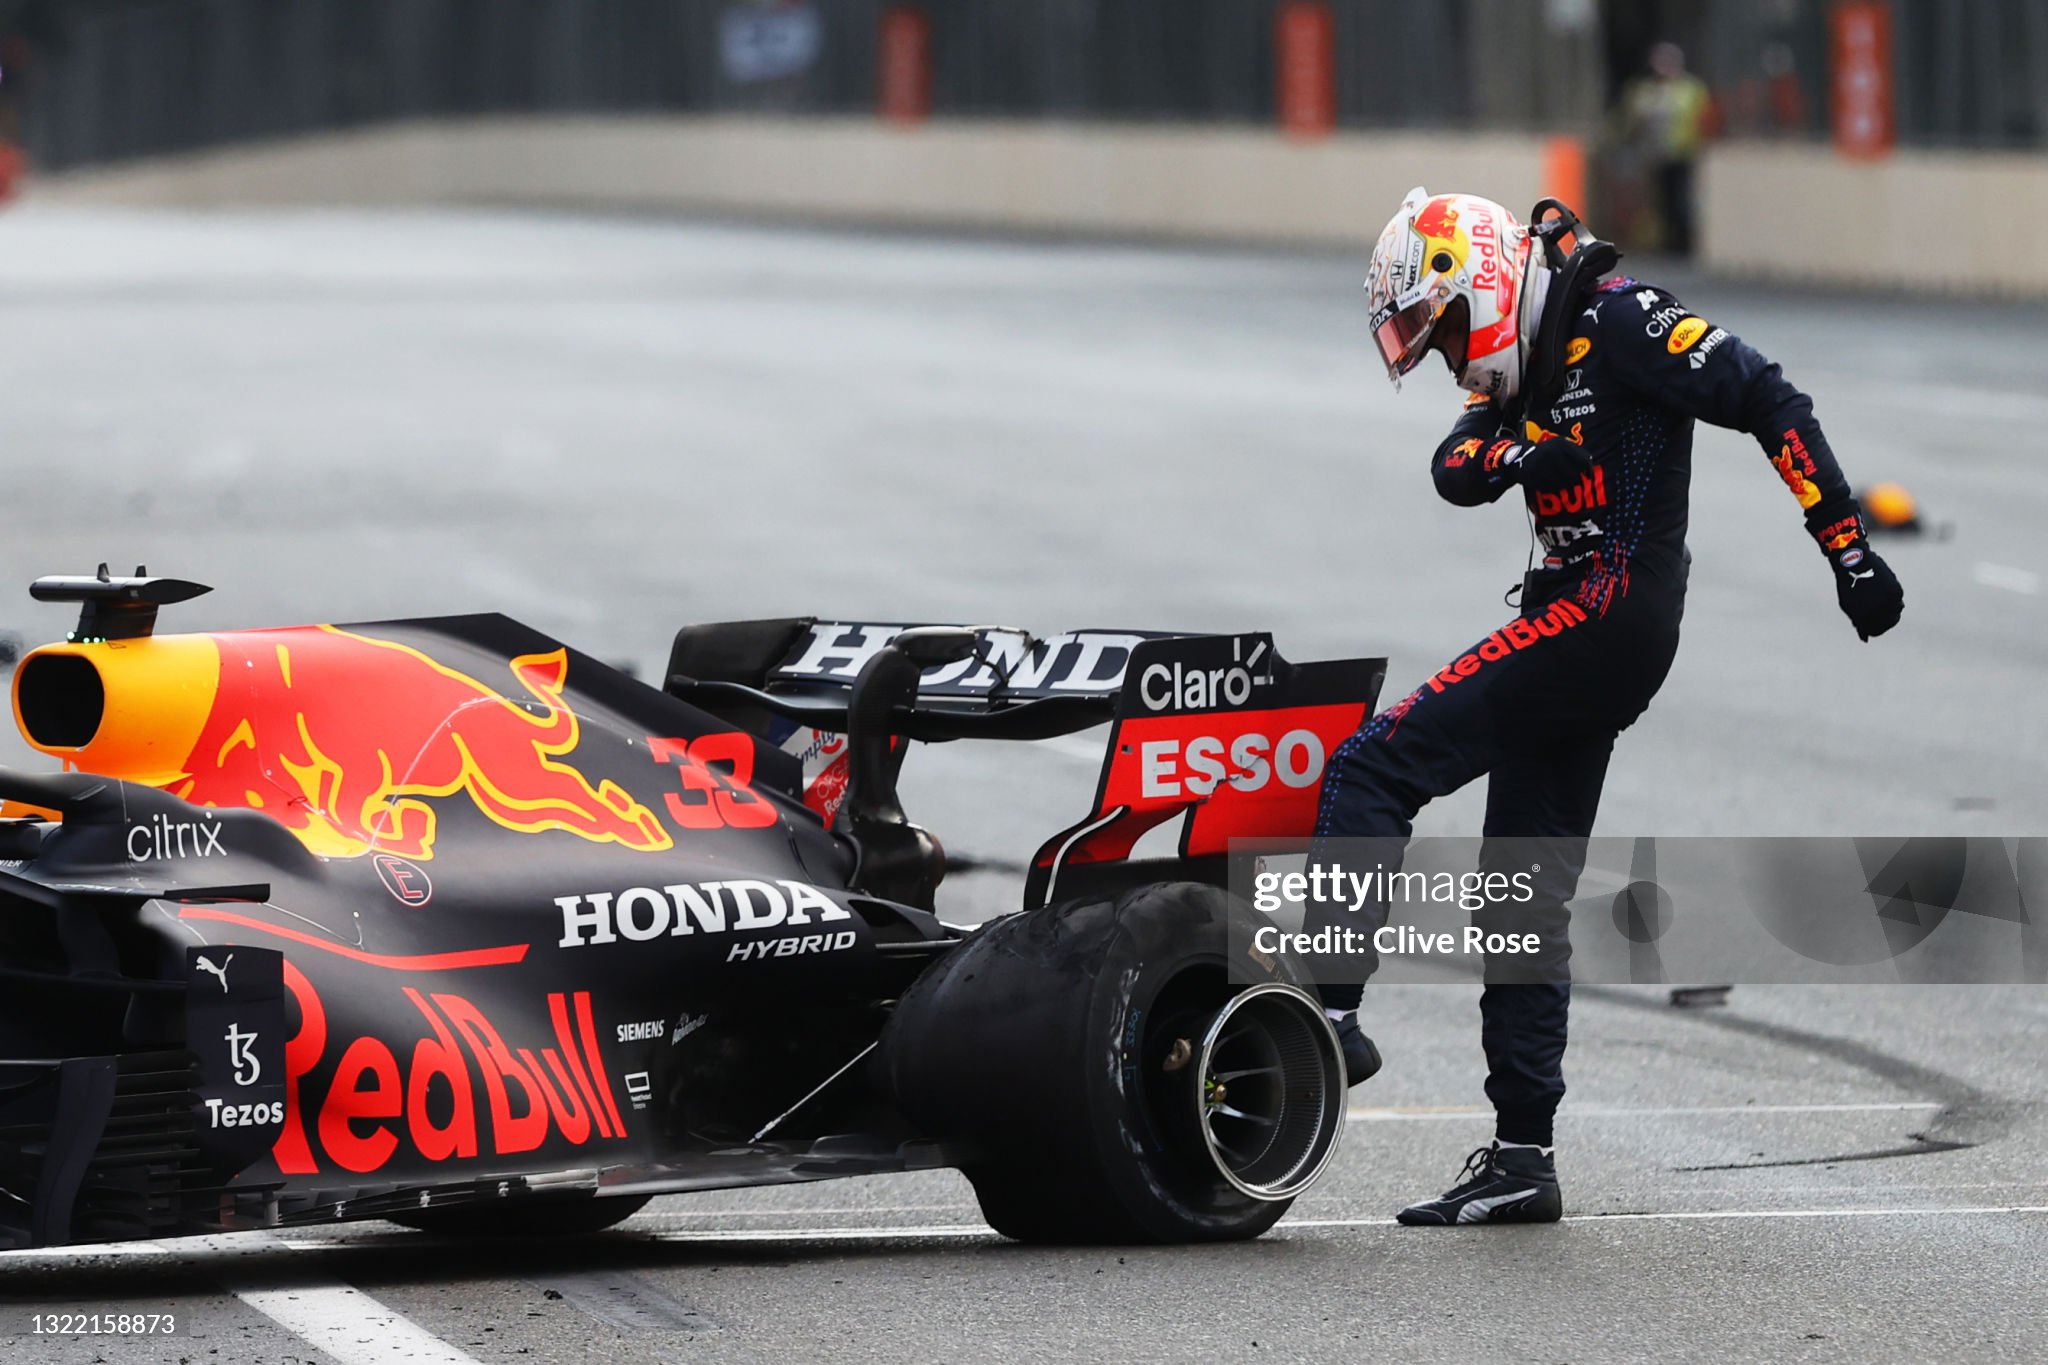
pixel 1451 274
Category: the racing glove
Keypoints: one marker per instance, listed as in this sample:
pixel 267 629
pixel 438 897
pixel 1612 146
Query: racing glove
pixel 1550 465
pixel 1865 587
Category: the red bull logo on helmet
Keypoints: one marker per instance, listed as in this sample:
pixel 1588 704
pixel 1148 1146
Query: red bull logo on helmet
pixel 1444 246
pixel 1486 244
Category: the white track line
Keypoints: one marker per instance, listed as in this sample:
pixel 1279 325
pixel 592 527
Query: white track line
pixel 336 1318
pixel 81 1253
pixel 978 1232
pixel 1429 1115
pixel 656 1215
pixel 351 1326
pixel 2005 576
pixel 1713 1215
pixel 649 1223
pixel 358 1330
pixel 823 1234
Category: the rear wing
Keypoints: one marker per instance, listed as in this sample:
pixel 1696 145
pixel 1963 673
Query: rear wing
pixel 802 669
pixel 1218 731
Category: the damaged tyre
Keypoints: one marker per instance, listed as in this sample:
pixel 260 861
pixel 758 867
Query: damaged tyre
pixel 1117 1076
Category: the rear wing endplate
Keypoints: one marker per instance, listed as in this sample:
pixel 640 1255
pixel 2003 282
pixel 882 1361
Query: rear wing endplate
pixel 1221 733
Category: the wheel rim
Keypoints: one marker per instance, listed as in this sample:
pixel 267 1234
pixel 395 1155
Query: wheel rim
pixel 1269 1091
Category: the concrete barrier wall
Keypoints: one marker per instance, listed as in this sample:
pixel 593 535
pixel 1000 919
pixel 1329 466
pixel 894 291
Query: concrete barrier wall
pixel 1243 184
pixel 1916 220
pixel 1952 222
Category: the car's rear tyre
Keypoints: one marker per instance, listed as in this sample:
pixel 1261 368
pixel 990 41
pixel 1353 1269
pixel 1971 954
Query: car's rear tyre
pixel 1113 1074
pixel 536 1216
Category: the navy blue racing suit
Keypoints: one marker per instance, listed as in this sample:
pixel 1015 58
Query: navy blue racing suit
pixel 1538 703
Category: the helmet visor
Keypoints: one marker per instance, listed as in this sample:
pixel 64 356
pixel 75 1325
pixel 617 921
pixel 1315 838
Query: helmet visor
pixel 1402 332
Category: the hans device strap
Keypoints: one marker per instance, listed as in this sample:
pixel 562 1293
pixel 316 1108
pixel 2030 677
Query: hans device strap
pixel 1573 275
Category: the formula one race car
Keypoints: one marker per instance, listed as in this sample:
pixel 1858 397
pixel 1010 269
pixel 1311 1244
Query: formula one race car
pixel 442 922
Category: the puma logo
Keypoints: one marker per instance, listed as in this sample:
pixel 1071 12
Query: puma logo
pixel 205 964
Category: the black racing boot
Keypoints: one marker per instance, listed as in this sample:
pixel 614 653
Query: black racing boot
pixel 1500 1185
pixel 1361 1058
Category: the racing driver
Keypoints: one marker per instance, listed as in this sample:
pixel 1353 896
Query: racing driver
pixel 1584 387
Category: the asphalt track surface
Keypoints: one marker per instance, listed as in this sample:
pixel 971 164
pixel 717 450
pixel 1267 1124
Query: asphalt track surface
pixel 610 427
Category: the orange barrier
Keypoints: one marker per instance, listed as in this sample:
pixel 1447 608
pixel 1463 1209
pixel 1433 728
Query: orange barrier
pixel 1305 48
pixel 1564 172
pixel 1861 34
pixel 904 49
pixel 12 165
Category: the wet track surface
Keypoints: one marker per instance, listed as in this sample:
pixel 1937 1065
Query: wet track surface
pixel 613 427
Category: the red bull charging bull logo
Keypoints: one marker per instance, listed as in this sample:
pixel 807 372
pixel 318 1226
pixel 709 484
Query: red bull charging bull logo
pixel 1437 225
pixel 347 739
